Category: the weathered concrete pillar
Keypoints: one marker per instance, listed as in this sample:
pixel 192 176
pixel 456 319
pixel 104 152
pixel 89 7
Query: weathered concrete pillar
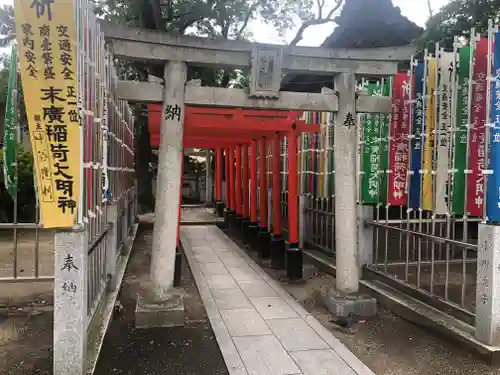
pixel 488 285
pixel 70 302
pixel 208 177
pixel 345 186
pixel 161 305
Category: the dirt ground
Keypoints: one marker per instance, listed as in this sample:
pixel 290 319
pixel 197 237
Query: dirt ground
pixel 188 350
pixel 26 333
pixel 387 344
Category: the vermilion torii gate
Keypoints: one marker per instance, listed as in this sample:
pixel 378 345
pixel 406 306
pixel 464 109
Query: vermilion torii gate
pixel 268 63
pixel 234 131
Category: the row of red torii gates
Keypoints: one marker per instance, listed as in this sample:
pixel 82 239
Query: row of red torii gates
pixel 232 132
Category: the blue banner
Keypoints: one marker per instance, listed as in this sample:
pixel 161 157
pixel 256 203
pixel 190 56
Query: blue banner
pixel 493 188
pixel 416 142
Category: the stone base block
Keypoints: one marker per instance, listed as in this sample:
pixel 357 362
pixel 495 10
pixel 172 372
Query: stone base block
pixel 264 241
pixel 252 236
pixel 231 218
pixel 245 223
pixel 219 208
pixel 342 305
pixel 151 313
pixel 237 223
pixel 277 252
pixel 293 261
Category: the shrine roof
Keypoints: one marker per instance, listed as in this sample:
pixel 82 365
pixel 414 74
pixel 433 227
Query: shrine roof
pixel 361 24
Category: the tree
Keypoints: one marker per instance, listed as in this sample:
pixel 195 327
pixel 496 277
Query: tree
pixel 210 18
pixel 457 18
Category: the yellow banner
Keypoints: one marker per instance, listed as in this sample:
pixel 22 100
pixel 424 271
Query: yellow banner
pixel 46 34
pixel 429 135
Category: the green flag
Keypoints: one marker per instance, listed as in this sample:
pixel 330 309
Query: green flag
pixel 11 128
pixel 462 115
pixel 372 158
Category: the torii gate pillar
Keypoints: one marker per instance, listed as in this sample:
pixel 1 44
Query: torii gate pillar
pixel 160 305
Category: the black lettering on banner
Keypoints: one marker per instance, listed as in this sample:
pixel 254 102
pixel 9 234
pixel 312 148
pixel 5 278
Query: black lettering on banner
pixel 54 114
pixel 66 186
pixel 173 112
pixel 47 191
pixel 69 263
pixel 44 173
pixel 59 152
pixel 30 56
pixel 43 7
pixel 62 31
pixel 60 171
pixel 66 204
pixel 57 133
pixel 52 94
pixel 48 59
pixel 73 116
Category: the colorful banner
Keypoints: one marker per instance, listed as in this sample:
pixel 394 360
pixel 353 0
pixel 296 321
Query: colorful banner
pixel 460 144
pixel 106 192
pixel 384 90
pixel 46 35
pixel 11 129
pixel 416 143
pixel 475 180
pixel 493 190
pixel 398 150
pixel 430 126
pixel 370 188
pixel 442 132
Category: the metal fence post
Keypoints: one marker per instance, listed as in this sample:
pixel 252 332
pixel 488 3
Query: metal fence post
pixel 70 302
pixel 365 235
pixel 302 221
pixel 111 241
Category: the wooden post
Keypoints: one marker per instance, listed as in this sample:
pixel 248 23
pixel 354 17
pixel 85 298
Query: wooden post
pixel 244 176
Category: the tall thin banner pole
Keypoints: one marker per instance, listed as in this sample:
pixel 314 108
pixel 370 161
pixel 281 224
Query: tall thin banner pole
pixel 416 143
pixel 493 196
pixel 11 129
pixel 475 187
pixel 398 147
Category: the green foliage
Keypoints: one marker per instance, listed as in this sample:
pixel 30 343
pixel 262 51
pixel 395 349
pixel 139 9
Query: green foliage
pixel 26 199
pixel 457 18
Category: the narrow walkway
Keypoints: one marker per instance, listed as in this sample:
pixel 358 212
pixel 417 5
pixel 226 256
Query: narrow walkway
pixel 260 328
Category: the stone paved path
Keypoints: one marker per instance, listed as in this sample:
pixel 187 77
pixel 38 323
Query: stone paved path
pixel 260 328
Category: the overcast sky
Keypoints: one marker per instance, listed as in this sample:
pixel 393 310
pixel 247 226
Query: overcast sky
pixel 415 10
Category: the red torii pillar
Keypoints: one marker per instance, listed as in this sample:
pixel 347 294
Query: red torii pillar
pixel 264 235
pixel 244 177
pixel 277 241
pixel 228 203
pixel 239 211
pixel 293 251
pixel 231 213
pixel 219 203
pixel 253 228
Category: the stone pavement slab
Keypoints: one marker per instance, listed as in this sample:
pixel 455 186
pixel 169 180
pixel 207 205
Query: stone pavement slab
pixel 260 328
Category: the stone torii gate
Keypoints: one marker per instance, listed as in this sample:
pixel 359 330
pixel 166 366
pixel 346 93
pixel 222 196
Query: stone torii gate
pixel 267 63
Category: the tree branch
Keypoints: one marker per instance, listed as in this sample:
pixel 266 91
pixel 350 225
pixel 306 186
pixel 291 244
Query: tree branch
pixel 246 20
pixel 315 21
pixel 430 8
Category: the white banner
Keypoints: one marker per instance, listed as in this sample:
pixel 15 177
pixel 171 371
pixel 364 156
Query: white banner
pixel 443 131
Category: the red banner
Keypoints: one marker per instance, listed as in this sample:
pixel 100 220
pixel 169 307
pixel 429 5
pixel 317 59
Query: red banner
pixel 398 149
pixel 475 179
